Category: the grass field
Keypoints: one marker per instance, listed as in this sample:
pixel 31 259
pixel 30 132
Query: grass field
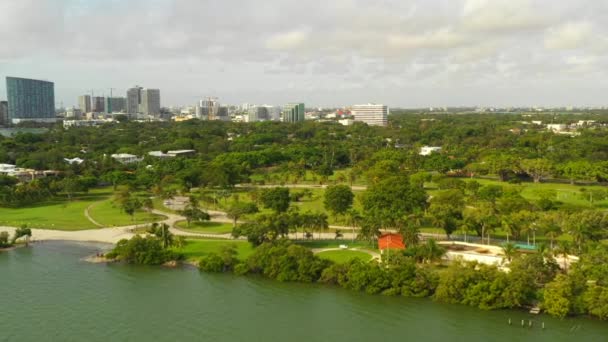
pixel 343 256
pixel 109 214
pixel 197 248
pixel 205 227
pixel 60 215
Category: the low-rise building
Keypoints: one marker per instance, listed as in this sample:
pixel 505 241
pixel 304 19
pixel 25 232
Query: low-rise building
pixel 125 158
pixel 72 161
pixel 427 150
pixel 557 127
pixel 172 154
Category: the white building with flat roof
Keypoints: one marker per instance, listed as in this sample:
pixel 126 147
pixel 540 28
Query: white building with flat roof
pixel 125 158
pixel 371 114
pixel 427 150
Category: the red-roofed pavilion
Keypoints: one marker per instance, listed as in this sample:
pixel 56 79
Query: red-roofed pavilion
pixel 390 240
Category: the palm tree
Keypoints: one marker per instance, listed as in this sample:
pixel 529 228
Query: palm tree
pixel 354 217
pixel 432 251
pixel 510 251
pixel 563 249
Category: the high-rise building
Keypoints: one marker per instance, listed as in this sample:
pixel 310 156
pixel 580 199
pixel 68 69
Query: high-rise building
pixel 210 108
pixel 115 104
pixel 293 112
pixel 98 104
pixel 273 112
pixel 30 100
pixel 3 113
pixel 257 113
pixel 371 114
pixel 84 102
pixel 134 100
pixel 150 102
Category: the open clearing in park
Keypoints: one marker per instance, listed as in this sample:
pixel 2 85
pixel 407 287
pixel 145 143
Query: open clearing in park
pixel 342 256
pixel 197 248
pixel 109 214
pixel 60 215
pixel 70 215
pixel 205 227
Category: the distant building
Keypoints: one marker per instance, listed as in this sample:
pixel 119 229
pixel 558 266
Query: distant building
pixel 98 104
pixel 150 102
pixel 125 158
pixel 172 154
pixel 133 100
pixel 30 100
pixel 84 103
pixel 346 122
pixel 293 112
pixel 257 113
pixel 115 104
pixel 72 161
pixel 371 114
pixel 73 113
pixel 557 127
pixel 427 150
pixel 4 113
pixel 86 123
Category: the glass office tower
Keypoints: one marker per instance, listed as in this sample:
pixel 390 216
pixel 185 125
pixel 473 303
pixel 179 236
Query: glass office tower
pixel 30 100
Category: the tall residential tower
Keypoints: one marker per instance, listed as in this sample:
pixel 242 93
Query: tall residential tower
pixel 30 100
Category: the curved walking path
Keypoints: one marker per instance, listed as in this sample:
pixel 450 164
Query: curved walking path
pixel 375 255
pixel 88 216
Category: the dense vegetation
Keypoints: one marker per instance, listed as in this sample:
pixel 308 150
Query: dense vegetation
pixel 532 279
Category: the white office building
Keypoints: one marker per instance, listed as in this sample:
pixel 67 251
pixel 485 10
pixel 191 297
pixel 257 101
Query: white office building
pixel 371 114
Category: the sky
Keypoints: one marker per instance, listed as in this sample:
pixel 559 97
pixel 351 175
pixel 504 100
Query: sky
pixel 403 53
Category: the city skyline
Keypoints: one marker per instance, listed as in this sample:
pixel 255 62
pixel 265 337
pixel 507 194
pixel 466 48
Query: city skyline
pixel 408 54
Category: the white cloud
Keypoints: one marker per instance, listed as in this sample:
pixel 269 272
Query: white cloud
pixel 288 41
pixel 349 49
pixel 569 36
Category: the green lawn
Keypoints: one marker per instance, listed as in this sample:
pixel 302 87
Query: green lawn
pixel 59 214
pixel 205 227
pixel 110 214
pixel 343 256
pixel 195 248
pixel 335 244
pixel 566 193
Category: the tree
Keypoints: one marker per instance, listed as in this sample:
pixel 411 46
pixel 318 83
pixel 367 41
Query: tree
pixel 338 199
pixel 162 232
pixel 22 231
pixel 580 170
pixel 509 250
pixel 557 297
pixel 141 250
pixel 194 214
pixel 536 168
pixel 4 239
pixel 276 199
pixel 391 199
pixel 238 209
pixel 130 206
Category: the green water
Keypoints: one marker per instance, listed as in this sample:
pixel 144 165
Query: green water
pixel 49 294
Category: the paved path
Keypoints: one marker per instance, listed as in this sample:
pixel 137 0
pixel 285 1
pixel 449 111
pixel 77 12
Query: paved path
pixel 298 186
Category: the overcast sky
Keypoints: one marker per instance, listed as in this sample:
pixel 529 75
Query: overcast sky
pixel 407 53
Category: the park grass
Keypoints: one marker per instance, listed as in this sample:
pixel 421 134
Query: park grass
pixel 60 214
pixel 205 227
pixel 160 206
pixel 343 256
pixel 108 213
pixel 195 249
pixel 568 194
pixel 317 244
